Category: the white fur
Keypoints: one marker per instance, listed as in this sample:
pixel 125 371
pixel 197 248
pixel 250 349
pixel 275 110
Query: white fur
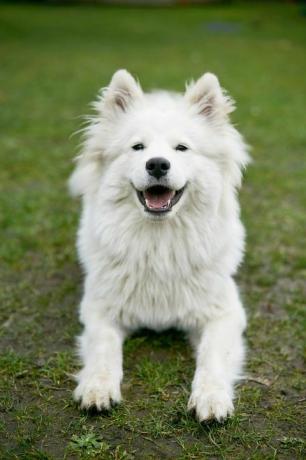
pixel 175 271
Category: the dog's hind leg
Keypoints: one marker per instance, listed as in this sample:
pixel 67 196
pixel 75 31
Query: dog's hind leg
pixel 219 358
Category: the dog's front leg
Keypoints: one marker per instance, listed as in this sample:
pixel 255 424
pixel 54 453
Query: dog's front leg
pixel 101 352
pixel 219 357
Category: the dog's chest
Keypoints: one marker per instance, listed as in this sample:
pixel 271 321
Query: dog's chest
pixel 158 284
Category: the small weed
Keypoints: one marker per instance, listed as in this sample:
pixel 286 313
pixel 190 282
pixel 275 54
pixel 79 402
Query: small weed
pixel 288 442
pixel 88 445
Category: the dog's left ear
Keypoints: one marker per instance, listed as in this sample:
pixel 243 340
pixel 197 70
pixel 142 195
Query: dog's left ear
pixel 208 98
pixel 122 91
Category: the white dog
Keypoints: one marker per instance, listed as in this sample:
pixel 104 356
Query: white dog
pixel 160 236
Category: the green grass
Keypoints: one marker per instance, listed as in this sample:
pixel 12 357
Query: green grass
pixel 53 61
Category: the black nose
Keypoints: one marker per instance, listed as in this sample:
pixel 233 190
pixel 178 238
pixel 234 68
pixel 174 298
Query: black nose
pixel 157 167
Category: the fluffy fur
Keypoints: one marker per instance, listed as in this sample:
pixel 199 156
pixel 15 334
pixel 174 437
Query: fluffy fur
pixel 169 269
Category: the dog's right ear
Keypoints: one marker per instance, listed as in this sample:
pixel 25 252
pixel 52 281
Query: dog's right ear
pixel 121 93
pixel 114 100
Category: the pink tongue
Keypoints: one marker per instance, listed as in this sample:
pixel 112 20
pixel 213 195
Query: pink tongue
pixel 158 201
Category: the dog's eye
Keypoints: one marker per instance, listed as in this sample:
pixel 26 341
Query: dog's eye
pixel 181 147
pixel 138 146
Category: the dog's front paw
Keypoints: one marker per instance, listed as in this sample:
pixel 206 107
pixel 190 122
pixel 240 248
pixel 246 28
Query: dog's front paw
pixel 99 391
pixel 209 404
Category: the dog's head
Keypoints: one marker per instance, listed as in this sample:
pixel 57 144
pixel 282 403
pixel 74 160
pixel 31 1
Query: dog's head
pixel 158 153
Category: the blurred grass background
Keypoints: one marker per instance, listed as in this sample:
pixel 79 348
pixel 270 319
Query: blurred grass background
pixel 53 61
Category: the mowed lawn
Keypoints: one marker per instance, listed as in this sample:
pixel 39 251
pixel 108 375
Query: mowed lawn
pixel 53 61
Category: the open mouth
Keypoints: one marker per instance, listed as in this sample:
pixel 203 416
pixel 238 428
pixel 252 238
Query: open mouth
pixel 159 199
